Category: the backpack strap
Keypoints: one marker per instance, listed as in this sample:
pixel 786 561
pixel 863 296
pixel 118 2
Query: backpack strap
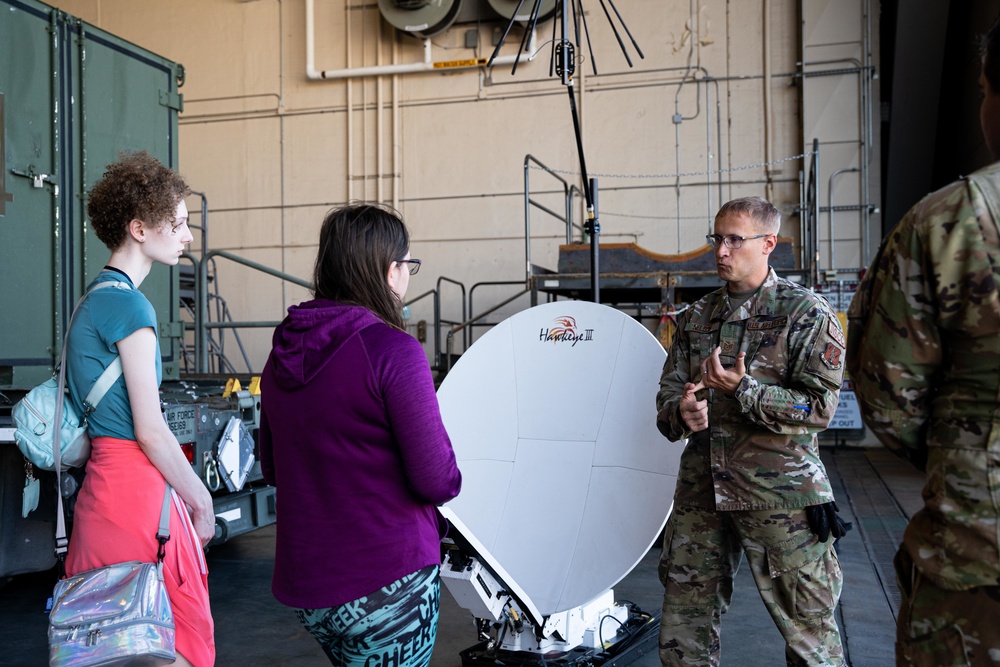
pixel 108 378
pixel 93 398
pixel 114 370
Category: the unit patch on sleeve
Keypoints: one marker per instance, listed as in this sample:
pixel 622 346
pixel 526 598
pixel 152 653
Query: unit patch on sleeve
pixel 833 356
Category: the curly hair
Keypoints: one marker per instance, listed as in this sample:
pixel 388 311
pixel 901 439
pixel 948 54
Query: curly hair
pixel 137 186
pixel 357 245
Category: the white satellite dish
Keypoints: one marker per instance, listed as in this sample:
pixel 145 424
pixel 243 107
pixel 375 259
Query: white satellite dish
pixel 566 480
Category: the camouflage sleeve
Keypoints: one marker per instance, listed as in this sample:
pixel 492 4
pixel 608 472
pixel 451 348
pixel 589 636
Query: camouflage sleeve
pixel 676 373
pixel 816 369
pixel 895 344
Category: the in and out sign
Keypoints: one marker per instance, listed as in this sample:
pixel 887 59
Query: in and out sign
pixel 848 415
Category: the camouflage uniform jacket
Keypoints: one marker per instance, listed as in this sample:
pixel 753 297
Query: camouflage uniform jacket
pixel 925 362
pixel 760 449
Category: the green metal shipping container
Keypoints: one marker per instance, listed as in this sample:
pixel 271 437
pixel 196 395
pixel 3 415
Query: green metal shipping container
pixel 71 98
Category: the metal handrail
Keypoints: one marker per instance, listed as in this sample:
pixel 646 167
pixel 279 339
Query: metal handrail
pixel 464 325
pixel 569 192
pixel 419 297
pixel 437 317
pixel 472 291
pixel 202 325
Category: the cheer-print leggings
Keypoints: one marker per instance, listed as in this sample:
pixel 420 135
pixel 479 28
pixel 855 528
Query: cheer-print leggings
pixel 393 627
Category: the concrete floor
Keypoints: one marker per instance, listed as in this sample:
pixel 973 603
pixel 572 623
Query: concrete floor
pixel 874 490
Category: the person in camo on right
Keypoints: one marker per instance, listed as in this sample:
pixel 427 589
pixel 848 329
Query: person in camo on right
pixel 924 357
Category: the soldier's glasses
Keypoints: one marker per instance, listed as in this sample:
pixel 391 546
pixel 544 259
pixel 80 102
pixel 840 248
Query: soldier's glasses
pixel 731 241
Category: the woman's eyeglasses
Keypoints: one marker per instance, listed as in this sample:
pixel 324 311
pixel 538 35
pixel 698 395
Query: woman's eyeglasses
pixel 414 264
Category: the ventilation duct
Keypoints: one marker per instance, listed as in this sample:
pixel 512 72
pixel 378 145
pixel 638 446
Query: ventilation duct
pixel 422 18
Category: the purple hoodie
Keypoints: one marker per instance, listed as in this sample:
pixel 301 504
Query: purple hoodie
pixel 351 436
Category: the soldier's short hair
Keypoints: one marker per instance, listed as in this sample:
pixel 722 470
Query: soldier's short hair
pixel 766 218
pixel 989 49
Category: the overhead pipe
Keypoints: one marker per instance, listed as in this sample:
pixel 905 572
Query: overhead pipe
pixel 427 65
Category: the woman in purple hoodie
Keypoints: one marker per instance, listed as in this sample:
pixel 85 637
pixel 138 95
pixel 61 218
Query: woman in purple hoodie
pixel 351 436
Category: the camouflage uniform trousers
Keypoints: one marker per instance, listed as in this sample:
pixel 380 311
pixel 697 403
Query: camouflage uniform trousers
pixel 799 580
pixel 942 628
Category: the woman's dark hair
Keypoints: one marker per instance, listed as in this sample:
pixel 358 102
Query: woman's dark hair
pixel 357 245
pixel 137 186
pixel 989 49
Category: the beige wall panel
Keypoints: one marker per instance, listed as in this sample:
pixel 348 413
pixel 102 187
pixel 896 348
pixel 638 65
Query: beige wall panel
pixel 241 60
pixel 666 31
pixel 315 159
pixel 432 221
pixel 88 10
pixel 786 200
pixel 330 53
pixel 744 42
pixel 474 218
pixel 302 225
pixel 236 163
pixel 832 21
pixel 744 137
pixel 465 84
pixel 832 103
pixel 470 83
pixel 630 132
pixel 744 108
pixel 256 342
pixel 239 231
pixel 329 21
pixel 300 263
pixel 474 149
pixel 784 39
pixel 476 255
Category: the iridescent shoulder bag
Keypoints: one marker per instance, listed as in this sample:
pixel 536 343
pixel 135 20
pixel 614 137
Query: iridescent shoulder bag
pixel 114 615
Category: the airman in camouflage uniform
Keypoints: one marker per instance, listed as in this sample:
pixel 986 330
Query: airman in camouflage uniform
pixel 752 375
pixel 925 362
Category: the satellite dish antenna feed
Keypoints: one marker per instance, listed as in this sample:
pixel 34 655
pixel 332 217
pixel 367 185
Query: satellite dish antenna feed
pixel 567 482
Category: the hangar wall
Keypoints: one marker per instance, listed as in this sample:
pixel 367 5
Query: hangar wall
pixel 719 88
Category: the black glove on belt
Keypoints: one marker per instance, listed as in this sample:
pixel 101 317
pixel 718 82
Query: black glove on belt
pixel 824 521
